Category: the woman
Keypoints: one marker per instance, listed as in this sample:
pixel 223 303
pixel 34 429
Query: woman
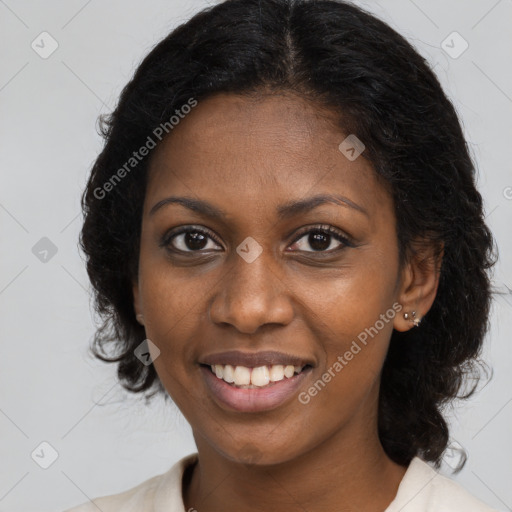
pixel 285 238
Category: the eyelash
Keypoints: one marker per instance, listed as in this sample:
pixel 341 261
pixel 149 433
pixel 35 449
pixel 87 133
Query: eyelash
pixel 328 230
pixel 324 229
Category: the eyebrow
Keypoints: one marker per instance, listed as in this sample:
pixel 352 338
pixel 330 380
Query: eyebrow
pixel 284 211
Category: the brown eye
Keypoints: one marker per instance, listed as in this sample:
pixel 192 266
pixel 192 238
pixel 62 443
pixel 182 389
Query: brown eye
pixel 322 240
pixel 189 240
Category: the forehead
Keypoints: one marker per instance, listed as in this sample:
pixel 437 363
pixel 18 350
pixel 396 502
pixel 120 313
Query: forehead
pixel 262 150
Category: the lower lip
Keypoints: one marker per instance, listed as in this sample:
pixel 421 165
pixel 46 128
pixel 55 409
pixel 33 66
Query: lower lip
pixel 254 399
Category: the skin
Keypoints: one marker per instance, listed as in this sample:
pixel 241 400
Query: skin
pixel 247 157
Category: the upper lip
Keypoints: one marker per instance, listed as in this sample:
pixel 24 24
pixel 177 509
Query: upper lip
pixel 255 359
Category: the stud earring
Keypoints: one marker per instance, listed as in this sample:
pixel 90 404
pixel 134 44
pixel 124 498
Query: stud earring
pixel 414 320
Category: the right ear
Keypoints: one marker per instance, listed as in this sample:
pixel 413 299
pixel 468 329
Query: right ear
pixel 137 306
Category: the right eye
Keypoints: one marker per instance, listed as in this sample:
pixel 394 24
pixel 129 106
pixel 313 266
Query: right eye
pixel 188 239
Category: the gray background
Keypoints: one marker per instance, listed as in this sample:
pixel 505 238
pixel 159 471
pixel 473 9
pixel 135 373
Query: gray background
pixel 51 389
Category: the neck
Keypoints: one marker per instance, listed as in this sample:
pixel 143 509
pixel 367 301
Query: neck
pixel 348 471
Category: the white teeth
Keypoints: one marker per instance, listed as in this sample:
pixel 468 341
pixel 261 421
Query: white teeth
pixel 254 377
pixel 260 376
pixel 276 372
pixel 242 375
pixel 219 371
pixel 229 374
pixel 289 371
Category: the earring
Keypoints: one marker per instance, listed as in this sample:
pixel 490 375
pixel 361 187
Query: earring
pixel 414 320
pixel 140 318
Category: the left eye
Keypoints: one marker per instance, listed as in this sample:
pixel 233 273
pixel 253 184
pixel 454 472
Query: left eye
pixel 321 240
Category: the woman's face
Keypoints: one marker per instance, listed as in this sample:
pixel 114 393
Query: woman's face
pixel 253 275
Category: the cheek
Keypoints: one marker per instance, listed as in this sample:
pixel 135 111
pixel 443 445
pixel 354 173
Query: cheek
pixel 171 314
pixel 351 318
pixel 171 299
pixel 345 302
pixel 353 343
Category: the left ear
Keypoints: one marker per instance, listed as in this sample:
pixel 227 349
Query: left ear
pixel 419 281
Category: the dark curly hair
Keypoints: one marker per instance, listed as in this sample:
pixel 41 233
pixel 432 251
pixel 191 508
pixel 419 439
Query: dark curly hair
pixel 336 55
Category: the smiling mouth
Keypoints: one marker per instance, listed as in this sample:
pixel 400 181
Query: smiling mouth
pixel 244 377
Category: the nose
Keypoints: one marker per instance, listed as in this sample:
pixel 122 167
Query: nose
pixel 252 295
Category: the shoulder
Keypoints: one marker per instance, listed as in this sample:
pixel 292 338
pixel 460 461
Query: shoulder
pixel 423 489
pixel 158 493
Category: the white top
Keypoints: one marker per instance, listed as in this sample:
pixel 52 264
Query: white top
pixel 422 489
